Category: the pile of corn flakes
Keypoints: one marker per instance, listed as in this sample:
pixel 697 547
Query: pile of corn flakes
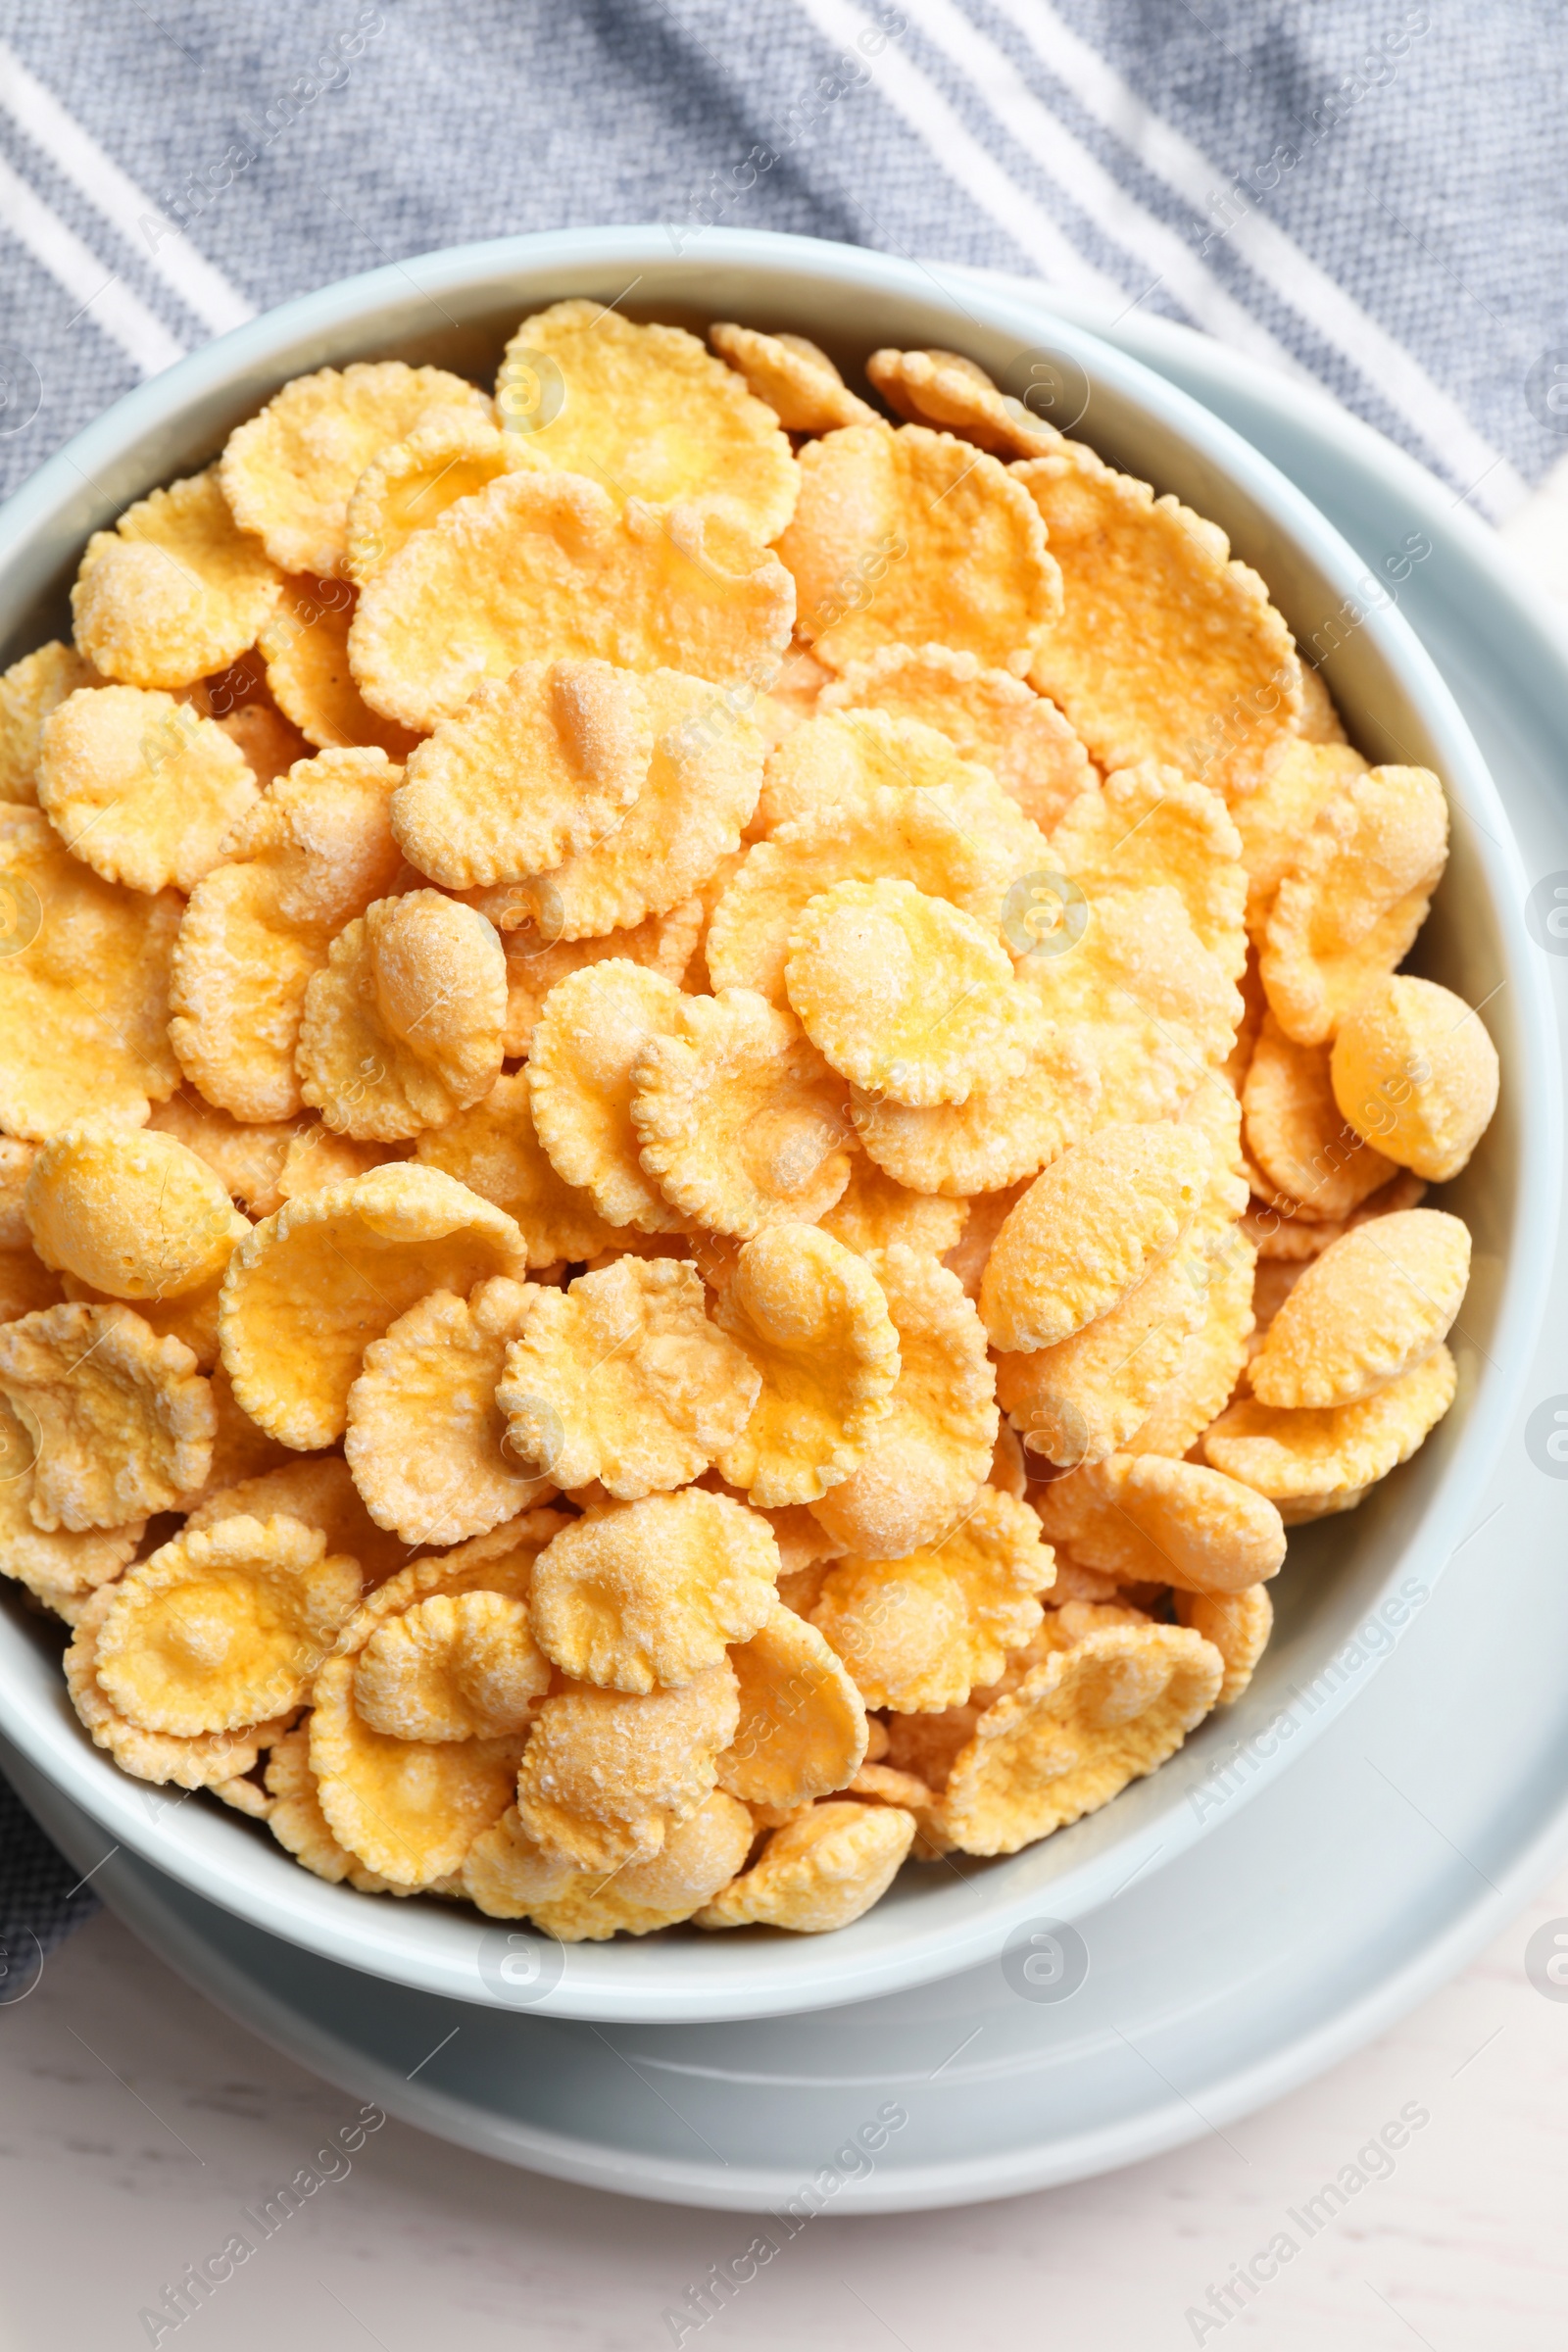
pixel 707 1125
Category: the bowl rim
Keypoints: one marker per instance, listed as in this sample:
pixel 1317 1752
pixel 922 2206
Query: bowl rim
pixel 441 1950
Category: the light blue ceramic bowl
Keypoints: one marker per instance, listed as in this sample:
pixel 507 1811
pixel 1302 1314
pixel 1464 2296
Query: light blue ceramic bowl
pixel 1350 1582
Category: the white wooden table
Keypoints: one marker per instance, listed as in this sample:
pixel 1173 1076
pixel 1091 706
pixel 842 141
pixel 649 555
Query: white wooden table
pixel 136 2124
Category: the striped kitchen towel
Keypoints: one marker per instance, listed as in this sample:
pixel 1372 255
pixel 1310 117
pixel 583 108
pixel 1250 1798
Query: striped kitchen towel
pixel 1357 191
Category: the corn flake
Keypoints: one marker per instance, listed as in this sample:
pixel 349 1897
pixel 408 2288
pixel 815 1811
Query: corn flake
pixel 608 1774
pixel 933 1449
pixel 402 1028
pixel 176 591
pixel 130 1213
pixel 1298 776
pixel 58 1566
pixel 1353 901
pixel 299 1825
pixel 1413 1067
pixel 69 1051
pixel 306 649
pixel 1212 1359
pixel 408 1809
pixel 248 1160
pixel 126 1422
pixel 455 1666
pixel 1376 1304
pixel 1297 1135
pixel 224 1627
pixel 1148 826
pixel 1236 1624
pixel 314 856
pixel 1080 1726
pixel 813 1317
pixel 650 1592
pixel 1083 1399
pixel 799 381
pixel 1166 649
pixel 987 715
pixel 310 1288
pixel 452 455
pixel 290 472
pixel 1300 1454
pixel 739 1121
pixel 908 538
pixel 1089 1229
pixel 201 1761
pixel 425 1441
pixel 540 567
pixel 802 1728
pixel 622 1378
pixel 665 942
pixel 1146 1518
pixel 589 1042
pixel 29 689
pixel 917 1633
pixel 821 1869
pixel 873 1212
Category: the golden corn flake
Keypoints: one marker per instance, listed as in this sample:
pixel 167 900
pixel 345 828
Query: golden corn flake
pixel 533 768
pixel 1354 898
pixel 799 382
pixel 1291 1453
pixel 944 388
pixel 987 715
pixel 1152 1007
pixel 1297 1135
pixel 700 788
pixel 908 833
pixel 290 472
pixel 917 1633
pixel 28 691
pixel 409 1809
pixel 665 942
pixel 1413 1069
pixel 124 1420
pixel 176 591
pixel 224 1627
pixel 506 1872
pixel 455 1666
pixel 315 853
pixel 492 1148
pixel 622 1378
pixel 1236 1624
pixel 1089 1229
pixel 241 1451
pixel 835 758
pixel 813 1318
pixel 1298 776
pixel 59 1565
pixel 650 1592
pixel 140 789
pixel 299 1825
pixel 803 1727
pixel 131 1212
pixel 873 1212
pixel 452 455
pixel 306 648
pixel 933 1449
pixel 647 414
pixel 1079 1727
pixel 589 1042
pixel 608 1774
pixel 739 1121
pixel 906 996
pixel 425 1439
pixel 909 538
pixel 1283 1236
pixel 201 1761
pixel 1145 1518
pixel 1376 1304
pixel 823 1869
pixel 543 567
pixel 1212 1359
pixel 698 1858
pixel 402 1028
pixel 1148 826
pixel 1166 649
pixel 320 1492
pixel 1079 1400
pixel 310 1288
pixel 70 1050
pixel 501 1561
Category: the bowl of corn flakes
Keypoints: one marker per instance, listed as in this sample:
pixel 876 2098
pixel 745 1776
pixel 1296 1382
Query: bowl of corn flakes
pixel 736 1164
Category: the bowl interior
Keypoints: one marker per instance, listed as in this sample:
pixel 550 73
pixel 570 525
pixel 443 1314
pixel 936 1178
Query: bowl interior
pixel 1349 1584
